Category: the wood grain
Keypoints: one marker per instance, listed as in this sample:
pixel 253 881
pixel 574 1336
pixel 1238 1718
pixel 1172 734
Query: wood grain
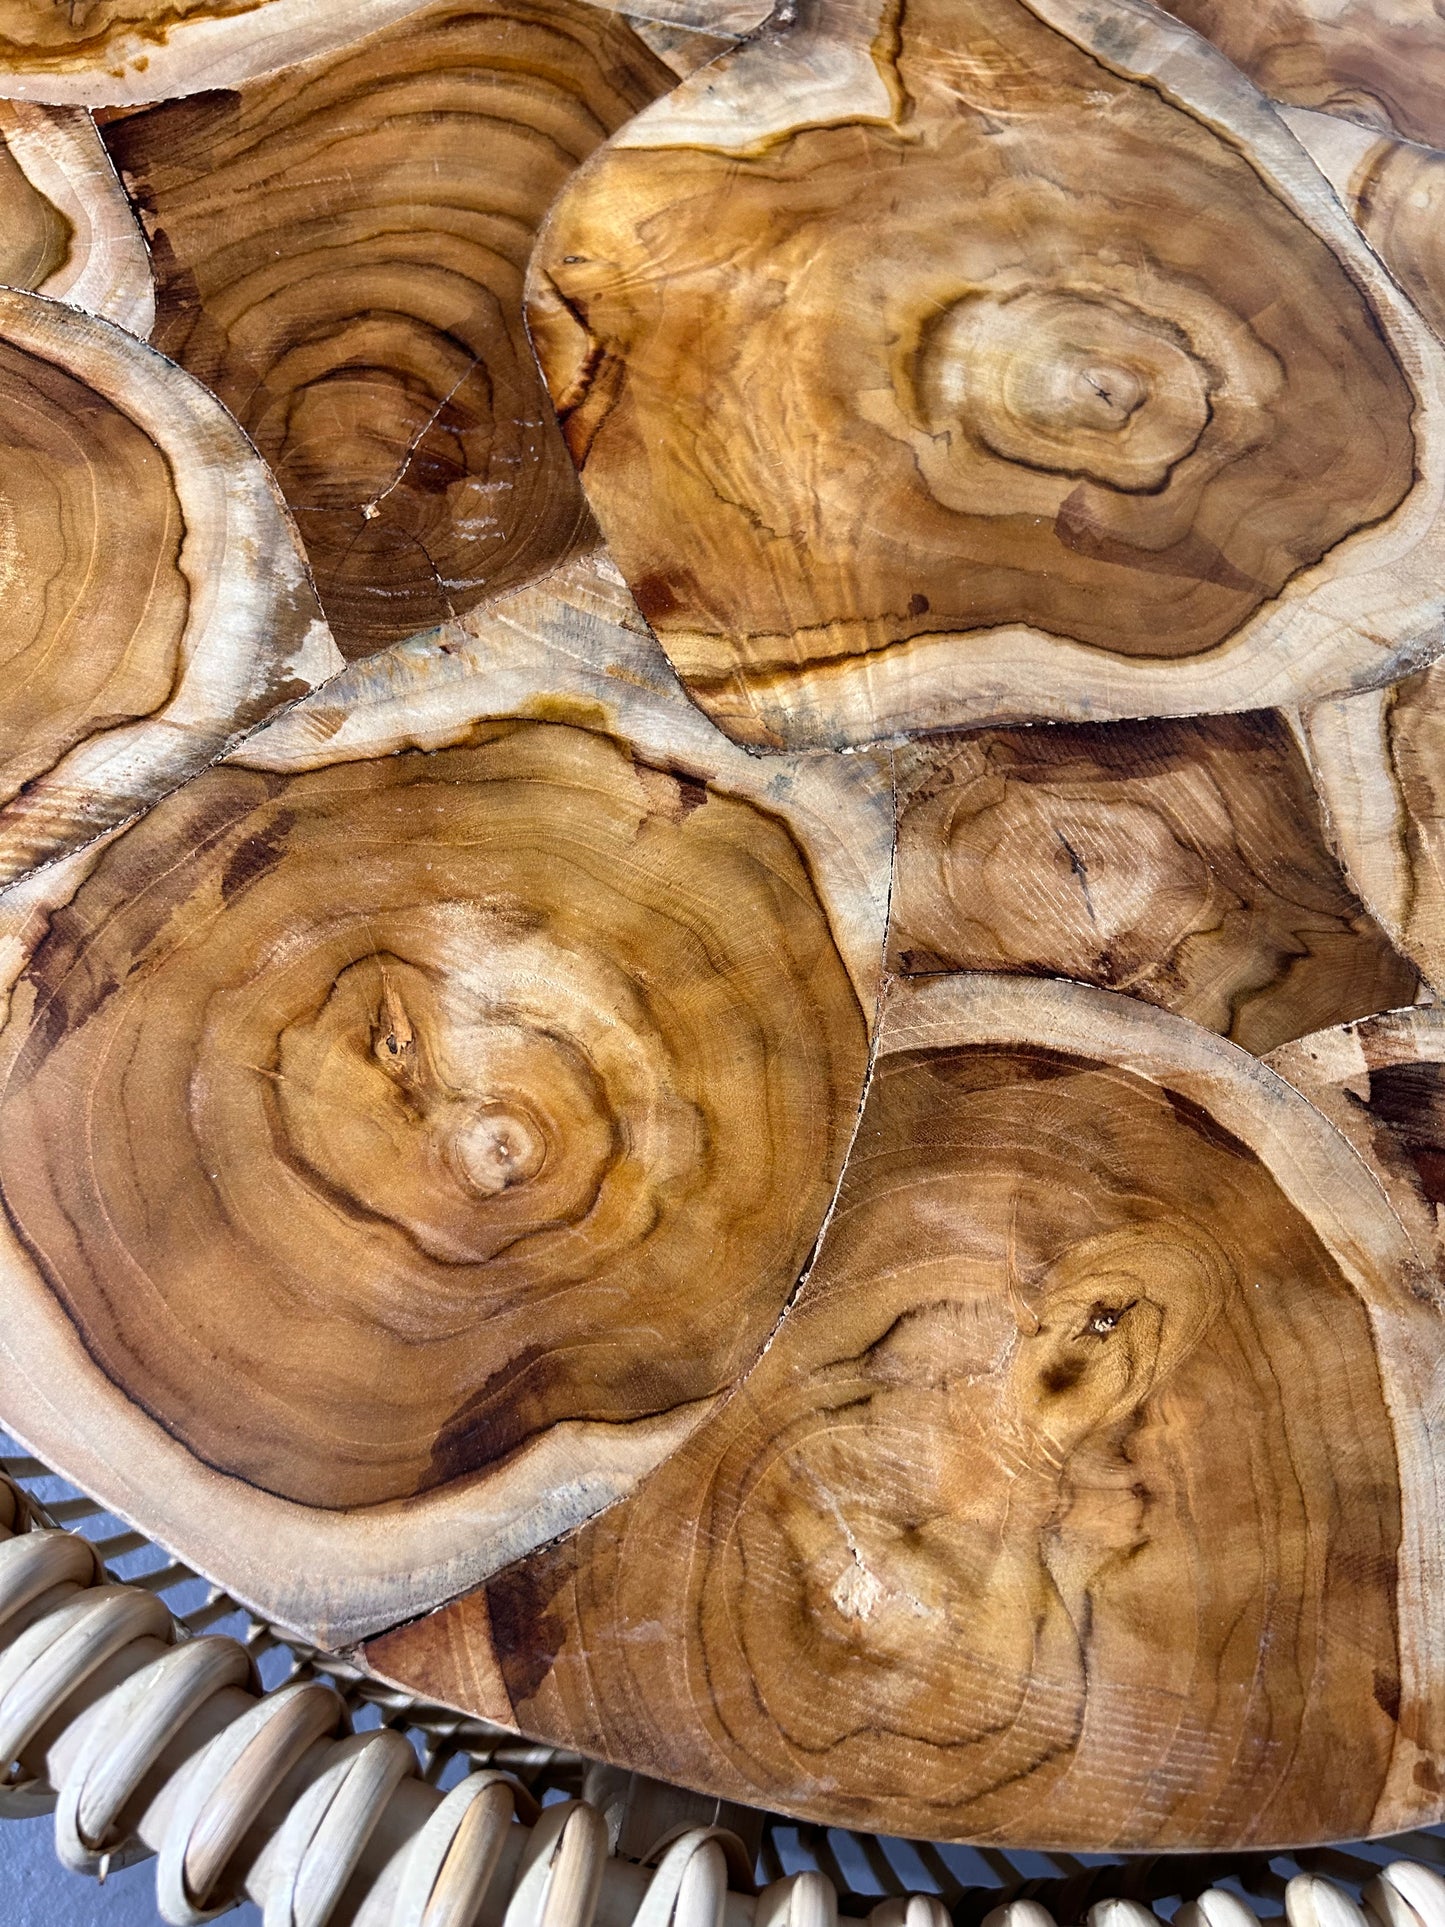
pixel 1381 1082
pixel 1378 760
pixel 1182 862
pixel 683 49
pixel 1382 65
pixel 459 1037
pixel 1086 1494
pixel 108 53
pixel 135 649
pixel 904 1287
pixel 1084 452
pixel 722 19
pixel 339 254
pixel 1395 190
pixel 66 228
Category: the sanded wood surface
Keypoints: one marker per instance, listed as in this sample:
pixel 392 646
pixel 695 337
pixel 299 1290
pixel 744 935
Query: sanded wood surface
pixel 721 855
pixel 1379 762
pixel 462 1033
pixel 130 661
pixel 1183 862
pixel 1102 1303
pixel 1055 482
pixel 339 255
pixel 1381 1082
pixel 66 228
pixel 1380 63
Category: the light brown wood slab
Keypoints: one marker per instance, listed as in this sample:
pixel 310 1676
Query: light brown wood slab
pixel 1381 1082
pixel 339 255
pixel 1395 190
pixel 109 53
pixel 683 49
pixel 1182 862
pixel 940 368
pixel 803 1152
pixel 156 601
pixel 496 1040
pixel 106 53
pixel 1089 1492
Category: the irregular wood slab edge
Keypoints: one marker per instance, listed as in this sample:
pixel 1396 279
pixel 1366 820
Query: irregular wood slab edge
pixel 98 259
pixel 1395 191
pixel 1381 67
pixel 201 45
pixel 743 1623
pixel 1376 762
pixel 800 664
pixel 717 19
pixel 188 48
pixel 340 251
pixel 570 666
pixel 683 49
pixel 240 633
pixel 1381 1083
pixel 1182 862
pixel 976 1406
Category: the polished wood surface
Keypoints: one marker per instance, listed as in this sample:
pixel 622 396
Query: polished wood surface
pixel 1057 481
pixel 1395 190
pixel 1102 1304
pixel 339 254
pixel 66 228
pixel 1182 862
pixel 129 664
pixel 1381 65
pixel 497 1039
pixel 721 852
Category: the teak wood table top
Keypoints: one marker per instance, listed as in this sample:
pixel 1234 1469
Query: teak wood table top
pixel 722 875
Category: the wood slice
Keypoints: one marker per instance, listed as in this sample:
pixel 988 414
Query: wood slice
pixel 66 228
pixel 1379 763
pixel 950 375
pixel 1182 862
pixel 156 601
pixel 1381 1082
pixel 1088 1494
pixel 339 254
pixel 496 1032
pixel 1378 62
pixel 1396 192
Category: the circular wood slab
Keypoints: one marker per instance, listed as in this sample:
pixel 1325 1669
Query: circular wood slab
pixel 495 1041
pixel 1086 1494
pixel 1015 265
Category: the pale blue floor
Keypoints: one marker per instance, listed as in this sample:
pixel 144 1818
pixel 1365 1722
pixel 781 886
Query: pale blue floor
pixel 36 1891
